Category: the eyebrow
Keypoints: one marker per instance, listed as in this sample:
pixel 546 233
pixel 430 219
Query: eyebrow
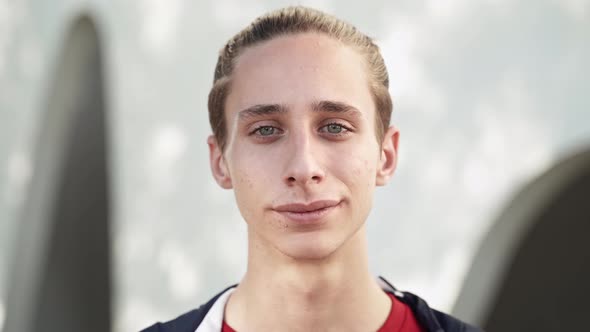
pixel 330 106
pixel 262 110
pixel 327 106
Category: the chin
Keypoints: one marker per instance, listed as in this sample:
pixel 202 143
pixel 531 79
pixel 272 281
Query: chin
pixel 308 247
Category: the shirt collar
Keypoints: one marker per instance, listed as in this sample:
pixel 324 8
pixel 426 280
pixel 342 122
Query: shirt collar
pixel 213 320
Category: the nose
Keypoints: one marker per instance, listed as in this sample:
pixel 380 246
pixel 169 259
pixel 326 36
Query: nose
pixel 303 167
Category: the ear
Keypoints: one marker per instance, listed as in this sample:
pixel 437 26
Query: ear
pixel 388 161
pixel 218 164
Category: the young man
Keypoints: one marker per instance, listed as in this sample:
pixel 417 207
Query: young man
pixel 300 114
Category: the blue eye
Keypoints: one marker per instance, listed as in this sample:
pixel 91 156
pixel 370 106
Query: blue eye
pixel 265 131
pixel 334 128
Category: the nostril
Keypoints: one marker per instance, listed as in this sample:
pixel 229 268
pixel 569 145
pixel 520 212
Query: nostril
pixel 304 179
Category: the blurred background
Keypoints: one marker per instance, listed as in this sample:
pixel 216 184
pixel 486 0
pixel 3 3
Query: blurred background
pixel 110 219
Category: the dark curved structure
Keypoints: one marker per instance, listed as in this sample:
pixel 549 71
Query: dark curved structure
pixel 61 272
pixel 532 272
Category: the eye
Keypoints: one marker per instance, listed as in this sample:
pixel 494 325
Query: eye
pixel 334 129
pixel 265 131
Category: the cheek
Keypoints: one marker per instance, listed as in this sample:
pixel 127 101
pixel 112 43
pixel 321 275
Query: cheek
pixel 247 185
pixel 358 174
pixel 370 167
pixel 359 169
pixel 245 168
pixel 252 182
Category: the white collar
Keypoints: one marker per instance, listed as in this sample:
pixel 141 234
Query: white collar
pixel 214 318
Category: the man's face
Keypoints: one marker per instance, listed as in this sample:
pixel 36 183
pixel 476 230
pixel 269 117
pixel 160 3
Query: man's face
pixel 302 155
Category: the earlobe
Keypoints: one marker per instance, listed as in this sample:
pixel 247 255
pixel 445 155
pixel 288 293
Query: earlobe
pixel 389 152
pixel 218 164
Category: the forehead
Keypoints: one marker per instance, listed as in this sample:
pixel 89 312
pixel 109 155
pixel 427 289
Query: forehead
pixel 296 69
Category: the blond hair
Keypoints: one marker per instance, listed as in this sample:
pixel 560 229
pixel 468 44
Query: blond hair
pixel 293 20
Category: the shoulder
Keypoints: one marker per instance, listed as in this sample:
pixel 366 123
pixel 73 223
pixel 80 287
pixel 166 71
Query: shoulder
pixel 432 319
pixel 189 321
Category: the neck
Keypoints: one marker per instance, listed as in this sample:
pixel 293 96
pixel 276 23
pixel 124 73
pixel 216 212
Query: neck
pixel 332 293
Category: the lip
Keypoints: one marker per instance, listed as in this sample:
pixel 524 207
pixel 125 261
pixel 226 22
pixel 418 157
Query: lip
pixel 307 213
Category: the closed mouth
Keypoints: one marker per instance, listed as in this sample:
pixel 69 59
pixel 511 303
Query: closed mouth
pixel 314 206
pixel 307 213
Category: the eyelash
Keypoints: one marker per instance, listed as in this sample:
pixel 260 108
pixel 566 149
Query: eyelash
pixel 256 131
pixel 345 130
